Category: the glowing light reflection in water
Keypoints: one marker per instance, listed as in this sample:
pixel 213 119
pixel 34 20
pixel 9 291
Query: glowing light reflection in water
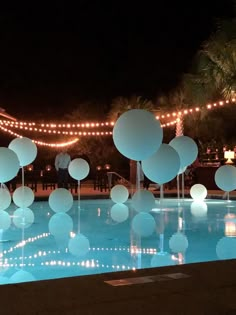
pixel 180 236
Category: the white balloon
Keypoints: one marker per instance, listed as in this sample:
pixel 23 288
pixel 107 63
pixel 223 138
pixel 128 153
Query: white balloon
pixel 119 212
pixel 79 245
pixel 143 201
pixel 199 209
pixel 9 164
pixel 23 218
pixel 119 194
pixel 5 198
pixel 23 196
pixel 226 248
pixel 225 177
pixel 78 169
pixel 143 224
pixel 60 200
pixel 198 192
pixel 162 166
pixel 5 220
pixel 178 243
pixel 60 225
pixel 25 149
pixel 137 134
pixel 186 148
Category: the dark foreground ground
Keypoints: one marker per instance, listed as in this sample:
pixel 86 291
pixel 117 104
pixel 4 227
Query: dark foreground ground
pixel 205 288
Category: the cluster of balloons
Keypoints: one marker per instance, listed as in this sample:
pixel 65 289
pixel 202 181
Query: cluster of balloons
pixel 138 135
pixel 20 152
pixel 61 201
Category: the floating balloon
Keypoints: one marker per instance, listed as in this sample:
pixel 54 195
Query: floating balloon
pixel 186 148
pixel 60 200
pixel 225 177
pixel 198 192
pixel 9 164
pixel 199 209
pixel 5 220
pixel 161 260
pixel 60 225
pixel 119 212
pixel 78 169
pixel 137 134
pixel 226 248
pixel 119 194
pixel 23 196
pixel 23 217
pixel 143 224
pixel 22 276
pixel 25 149
pixel 79 245
pixel 143 201
pixel 5 198
pixel 162 166
pixel 178 243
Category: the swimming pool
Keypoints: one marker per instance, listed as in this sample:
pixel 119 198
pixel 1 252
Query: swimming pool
pixel 184 232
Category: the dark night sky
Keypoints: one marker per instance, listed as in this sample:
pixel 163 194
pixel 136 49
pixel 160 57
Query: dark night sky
pixel 52 56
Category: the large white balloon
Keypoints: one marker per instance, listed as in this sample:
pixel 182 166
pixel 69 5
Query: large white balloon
pixel 60 200
pixel 163 165
pixel 9 164
pixel 23 196
pixel 143 201
pixel 23 218
pixel 25 149
pixel 225 177
pixel 198 192
pixel 143 224
pixel 5 198
pixel 137 134
pixel 78 169
pixel 186 148
pixel 79 245
pixel 119 194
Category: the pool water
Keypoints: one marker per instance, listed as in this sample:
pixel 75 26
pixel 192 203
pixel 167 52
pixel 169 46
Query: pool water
pixel 184 233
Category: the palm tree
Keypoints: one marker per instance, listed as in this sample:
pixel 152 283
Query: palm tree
pixel 217 61
pixel 121 104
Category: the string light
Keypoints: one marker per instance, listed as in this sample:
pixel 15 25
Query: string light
pixel 83 129
pixel 58 145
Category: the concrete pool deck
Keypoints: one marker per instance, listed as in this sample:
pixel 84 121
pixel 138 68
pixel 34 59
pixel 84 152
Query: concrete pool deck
pixel 200 288
pixel 87 191
pixel 192 289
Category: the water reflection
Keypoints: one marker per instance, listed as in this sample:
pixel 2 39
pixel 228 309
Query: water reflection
pixel 53 246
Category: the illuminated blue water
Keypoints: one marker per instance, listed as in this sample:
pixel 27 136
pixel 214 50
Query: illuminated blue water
pixel 205 232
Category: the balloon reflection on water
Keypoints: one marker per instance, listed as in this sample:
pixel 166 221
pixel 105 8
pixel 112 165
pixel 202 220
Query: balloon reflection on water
pixel 111 247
